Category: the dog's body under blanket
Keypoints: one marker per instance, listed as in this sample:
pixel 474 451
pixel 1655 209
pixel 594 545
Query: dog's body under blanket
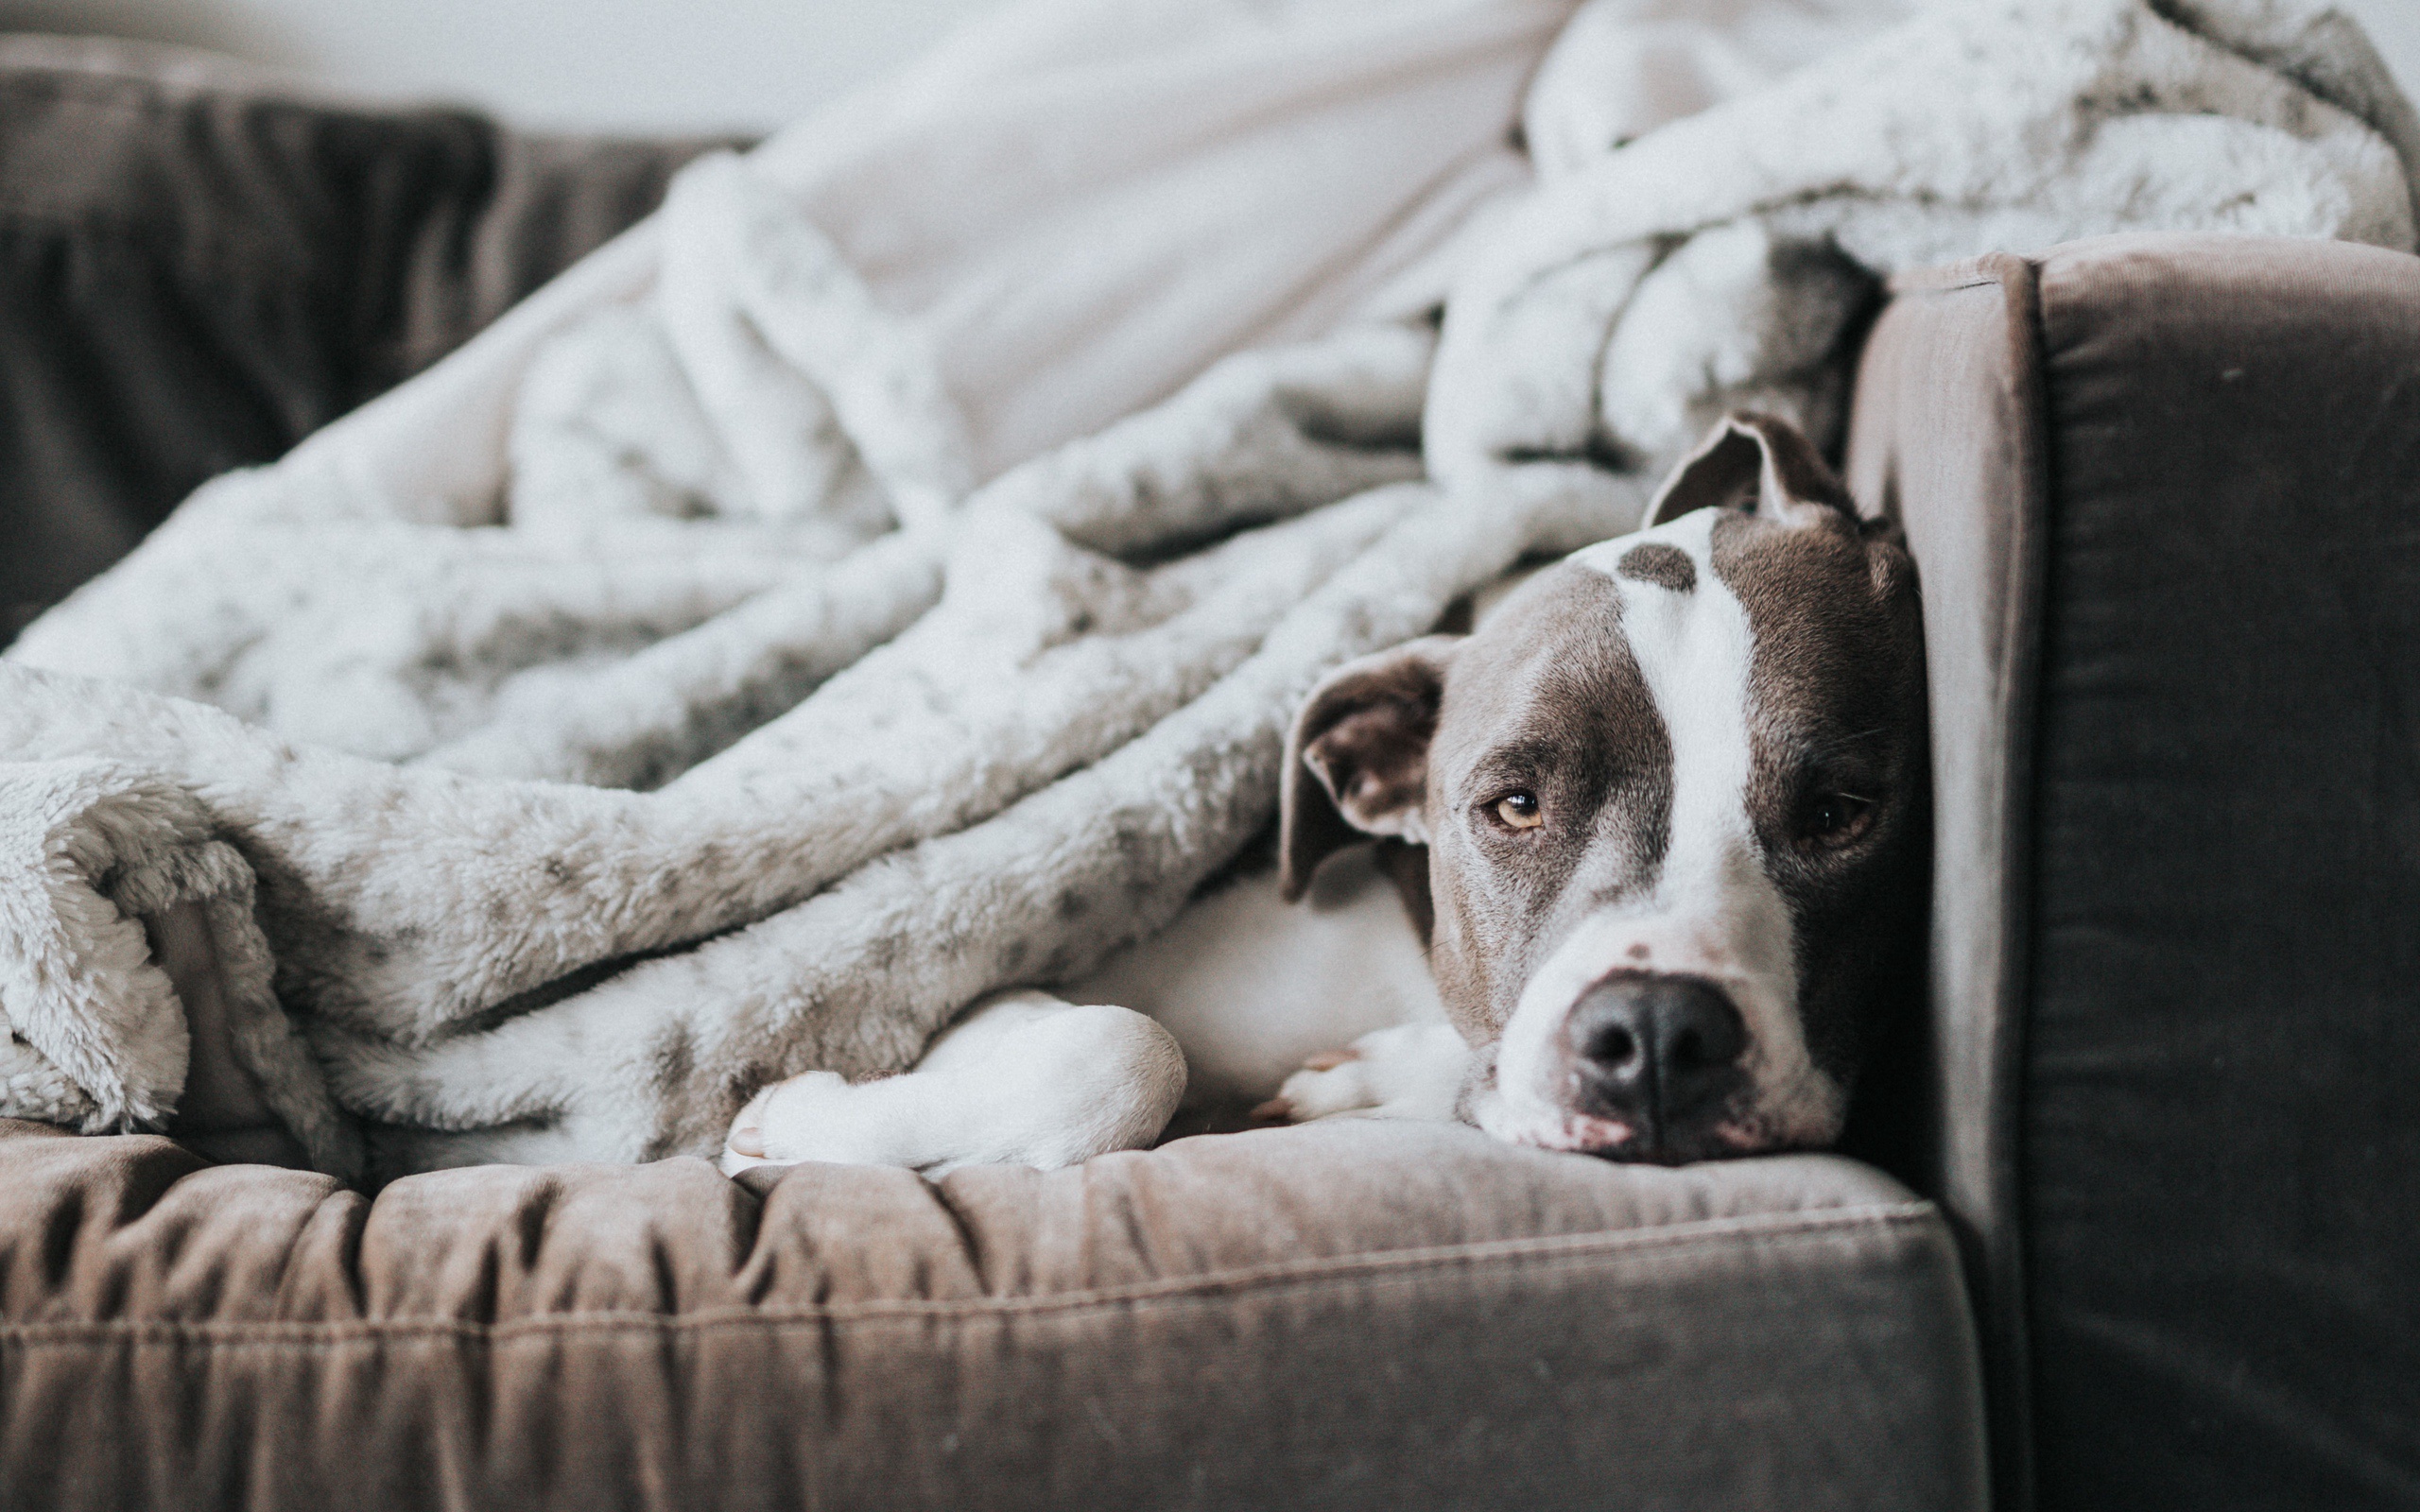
pixel 687 686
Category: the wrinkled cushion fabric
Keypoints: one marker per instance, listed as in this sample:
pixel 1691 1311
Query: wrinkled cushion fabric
pixel 1348 1314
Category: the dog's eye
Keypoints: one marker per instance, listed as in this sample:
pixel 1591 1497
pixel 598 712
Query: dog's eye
pixel 1519 810
pixel 1833 818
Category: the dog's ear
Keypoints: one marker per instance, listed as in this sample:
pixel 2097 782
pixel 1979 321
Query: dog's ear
pixel 1759 464
pixel 1356 761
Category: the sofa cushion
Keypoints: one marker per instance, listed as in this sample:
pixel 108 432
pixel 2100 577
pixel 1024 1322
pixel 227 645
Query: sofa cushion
pixel 1350 1314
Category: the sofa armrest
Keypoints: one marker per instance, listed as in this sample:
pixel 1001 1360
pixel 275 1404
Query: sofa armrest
pixel 2164 496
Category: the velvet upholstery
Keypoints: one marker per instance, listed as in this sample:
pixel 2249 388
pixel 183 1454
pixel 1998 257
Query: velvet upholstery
pixel 1347 1314
pixel 2164 496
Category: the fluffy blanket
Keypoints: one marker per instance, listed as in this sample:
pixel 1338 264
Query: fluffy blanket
pixel 885 575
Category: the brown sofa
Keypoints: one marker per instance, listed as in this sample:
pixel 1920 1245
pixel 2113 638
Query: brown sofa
pixel 1345 1316
pixel 2165 495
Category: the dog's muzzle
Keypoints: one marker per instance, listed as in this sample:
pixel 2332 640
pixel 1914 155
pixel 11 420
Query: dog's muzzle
pixel 1661 1055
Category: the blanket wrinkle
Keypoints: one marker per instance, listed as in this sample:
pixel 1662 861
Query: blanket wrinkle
pixel 94 1035
pixel 886 577
pixel 1977 125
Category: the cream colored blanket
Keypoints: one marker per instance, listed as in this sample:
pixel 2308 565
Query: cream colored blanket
pixel 885 575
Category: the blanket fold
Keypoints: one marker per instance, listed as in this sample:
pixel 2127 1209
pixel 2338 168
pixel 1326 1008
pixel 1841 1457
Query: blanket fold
pixel 1718 263
pixel 90 854
pixel 774 637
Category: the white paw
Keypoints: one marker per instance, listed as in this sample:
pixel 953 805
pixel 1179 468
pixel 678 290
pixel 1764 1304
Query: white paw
pixel 1412 1071
pixel 1023 1079
pixel 804 1118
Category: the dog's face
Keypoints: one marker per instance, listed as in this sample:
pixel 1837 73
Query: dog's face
pixel 1673 795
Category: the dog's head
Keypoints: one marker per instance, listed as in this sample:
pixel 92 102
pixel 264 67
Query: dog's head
pixel 1673 792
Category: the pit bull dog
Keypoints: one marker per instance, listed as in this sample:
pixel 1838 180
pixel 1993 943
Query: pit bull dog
pixel 1662 818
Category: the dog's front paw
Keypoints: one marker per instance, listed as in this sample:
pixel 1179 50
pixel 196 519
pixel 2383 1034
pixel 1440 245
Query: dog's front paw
pixel 780 1124
pixel 1023 1079
pixel 1332 1084
pixel 1412 1071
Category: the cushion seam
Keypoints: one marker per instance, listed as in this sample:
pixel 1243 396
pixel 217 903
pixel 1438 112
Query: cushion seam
pixel 1402 1264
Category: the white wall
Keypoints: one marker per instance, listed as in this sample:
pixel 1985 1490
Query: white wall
pixel 635 64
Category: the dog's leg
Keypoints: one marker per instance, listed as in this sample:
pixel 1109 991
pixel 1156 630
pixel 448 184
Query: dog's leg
pixel 1022 1079
pixel 1415 1070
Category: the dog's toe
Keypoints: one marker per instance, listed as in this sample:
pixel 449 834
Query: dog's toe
pixel 1412 1071
pixel 1324 1092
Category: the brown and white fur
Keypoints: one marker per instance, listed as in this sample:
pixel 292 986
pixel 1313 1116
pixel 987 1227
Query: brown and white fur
pixel 1671 794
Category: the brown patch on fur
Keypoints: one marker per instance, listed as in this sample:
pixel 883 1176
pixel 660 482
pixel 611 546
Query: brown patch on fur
pixel 1836 705
pixel 1546 699
pixel 1356 760
pixel 1406 867
pixel 1373 761
pixel 1655 562
pixel 1754 463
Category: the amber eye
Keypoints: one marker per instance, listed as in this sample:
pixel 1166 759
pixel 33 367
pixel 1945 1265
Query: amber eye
pixel 1833 818
pixel 1519 810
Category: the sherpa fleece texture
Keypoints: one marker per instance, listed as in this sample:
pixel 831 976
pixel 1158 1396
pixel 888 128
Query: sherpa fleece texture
pixel 756 719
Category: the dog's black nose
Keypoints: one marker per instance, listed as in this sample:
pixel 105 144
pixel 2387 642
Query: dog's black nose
pixel 1653 1050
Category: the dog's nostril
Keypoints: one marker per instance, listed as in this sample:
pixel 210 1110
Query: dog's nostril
pixel 1688 1049
pixel 1612 1046
pixel 1708 1035
pixel 1645 1044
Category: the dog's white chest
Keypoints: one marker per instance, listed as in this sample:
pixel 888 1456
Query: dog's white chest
pixel 1252 987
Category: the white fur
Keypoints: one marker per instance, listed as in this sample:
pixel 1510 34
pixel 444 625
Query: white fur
pixel 1252 987
pixel 1243 985
pixel 1024 1078
pixel 93 1030
pixel 1415 1070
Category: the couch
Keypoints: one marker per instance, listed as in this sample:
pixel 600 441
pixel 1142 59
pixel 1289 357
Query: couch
pixel 2125 1219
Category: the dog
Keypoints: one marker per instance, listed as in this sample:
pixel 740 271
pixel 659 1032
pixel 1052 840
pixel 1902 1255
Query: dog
pixel 1659 824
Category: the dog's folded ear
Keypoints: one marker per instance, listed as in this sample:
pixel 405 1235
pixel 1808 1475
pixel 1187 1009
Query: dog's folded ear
pixel 1356 761
pixel 1757 463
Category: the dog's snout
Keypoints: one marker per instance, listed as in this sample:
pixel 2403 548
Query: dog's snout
pixel 1652 1050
